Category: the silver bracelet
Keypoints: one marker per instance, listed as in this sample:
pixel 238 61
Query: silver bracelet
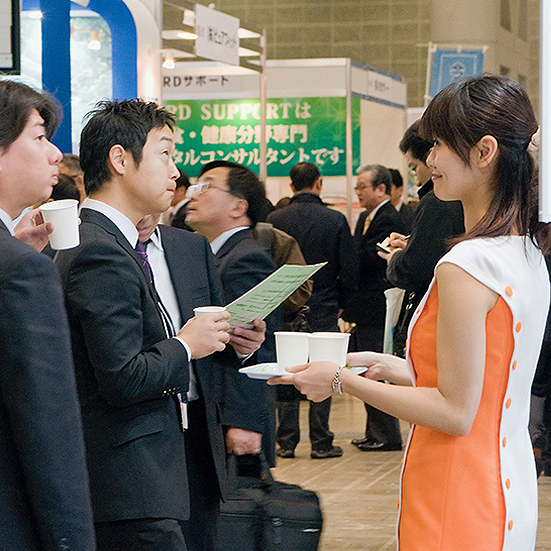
pixel 337 388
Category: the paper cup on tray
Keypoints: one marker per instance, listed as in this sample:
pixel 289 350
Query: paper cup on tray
pixel 291 348
pixel 329 347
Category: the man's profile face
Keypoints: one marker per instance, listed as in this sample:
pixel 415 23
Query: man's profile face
pixel 421 172
pixel 151 185
pixel 368 196
pixel 396 194
pixel 211 207
pixel 28 168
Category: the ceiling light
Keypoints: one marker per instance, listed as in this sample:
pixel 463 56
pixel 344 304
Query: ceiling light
pixel 186 36
pixel 168 62
pixel 94 43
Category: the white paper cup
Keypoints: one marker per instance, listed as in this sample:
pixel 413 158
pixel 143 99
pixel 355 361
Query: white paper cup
pixel 202 311
pixel 291 348
pixel 63 215
pixel 329 347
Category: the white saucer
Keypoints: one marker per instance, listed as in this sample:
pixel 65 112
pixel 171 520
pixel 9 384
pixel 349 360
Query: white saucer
pixel 263 371
pixel 269 370
pixel 358 370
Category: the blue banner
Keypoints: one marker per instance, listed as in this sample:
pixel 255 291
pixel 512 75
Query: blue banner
pixel 450 65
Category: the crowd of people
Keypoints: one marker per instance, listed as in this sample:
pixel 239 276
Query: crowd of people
pixel 119 406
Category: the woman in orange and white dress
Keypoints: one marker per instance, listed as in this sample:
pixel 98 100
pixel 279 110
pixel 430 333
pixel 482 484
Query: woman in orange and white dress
pixel 468 479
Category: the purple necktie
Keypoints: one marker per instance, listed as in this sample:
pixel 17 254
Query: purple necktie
pixel 140 249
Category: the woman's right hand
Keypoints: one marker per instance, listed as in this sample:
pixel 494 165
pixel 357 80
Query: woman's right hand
pixel 397 241
pixel 381 367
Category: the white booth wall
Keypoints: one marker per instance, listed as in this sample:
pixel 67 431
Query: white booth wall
pixel 381 116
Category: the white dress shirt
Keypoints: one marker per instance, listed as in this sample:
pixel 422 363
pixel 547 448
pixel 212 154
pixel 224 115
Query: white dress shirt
pixel 165 290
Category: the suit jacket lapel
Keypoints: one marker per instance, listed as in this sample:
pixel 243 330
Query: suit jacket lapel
pixel 95 217
pixel 4 228
pixel 230 244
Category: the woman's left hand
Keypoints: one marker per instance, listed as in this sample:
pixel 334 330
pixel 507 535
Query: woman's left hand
pixel 314 380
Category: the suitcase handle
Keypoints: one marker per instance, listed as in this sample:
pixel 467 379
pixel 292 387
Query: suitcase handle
pixel 265 473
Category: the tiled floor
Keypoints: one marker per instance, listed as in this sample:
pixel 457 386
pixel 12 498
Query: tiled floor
pixel 359 490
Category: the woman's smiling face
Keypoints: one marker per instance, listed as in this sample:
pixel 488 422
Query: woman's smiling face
pixel 453 179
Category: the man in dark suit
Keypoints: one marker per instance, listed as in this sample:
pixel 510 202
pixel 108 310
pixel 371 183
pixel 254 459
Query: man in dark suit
pixel 132 366
pixel 323 235
pixel 44 495
pixel 405 210
pixel 225 204
pixel 186 277
pixel 412 262
pixel 367 307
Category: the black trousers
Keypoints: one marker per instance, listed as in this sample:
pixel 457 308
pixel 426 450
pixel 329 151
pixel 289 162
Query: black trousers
pixel 149 534
pixel 288 430
pixel 380 426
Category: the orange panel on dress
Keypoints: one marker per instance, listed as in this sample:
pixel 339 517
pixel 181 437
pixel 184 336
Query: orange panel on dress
pixel 452 497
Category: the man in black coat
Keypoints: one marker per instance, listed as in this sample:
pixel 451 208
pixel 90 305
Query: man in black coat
pixel 412 262
pixel 367 307
pixel 132 366
pixel 44 495
pixel 225 205
pixel 323 235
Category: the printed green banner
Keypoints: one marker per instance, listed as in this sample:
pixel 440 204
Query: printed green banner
pixel 297 130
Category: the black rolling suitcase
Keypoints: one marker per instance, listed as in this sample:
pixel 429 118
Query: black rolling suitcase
pixel 265 515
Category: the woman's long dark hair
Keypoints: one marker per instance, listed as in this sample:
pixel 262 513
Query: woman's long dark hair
pixel 468 109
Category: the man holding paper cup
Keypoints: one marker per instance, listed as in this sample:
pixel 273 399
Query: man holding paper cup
pixel 44 495
pixel 132 364
pixel 225 205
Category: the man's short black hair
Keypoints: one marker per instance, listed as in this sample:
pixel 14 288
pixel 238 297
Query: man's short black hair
pixel 66 188
pixel 126 123
pixel 304 176
pixel 397 180
pixel 245 184
pixel 72 162
pixel 418 147
pixel 17 101
pixel 182 180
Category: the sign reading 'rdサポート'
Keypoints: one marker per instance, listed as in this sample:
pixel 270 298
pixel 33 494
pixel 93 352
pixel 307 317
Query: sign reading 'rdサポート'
pixel 297 130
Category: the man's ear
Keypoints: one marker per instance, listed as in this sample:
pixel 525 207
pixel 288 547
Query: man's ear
pixel 292 188
pixel 318 184
pixel 239 208
pixel 381 188
pixel 485 151
pixel 118 157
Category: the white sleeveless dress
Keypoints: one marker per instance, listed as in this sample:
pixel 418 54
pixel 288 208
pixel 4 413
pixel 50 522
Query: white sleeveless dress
pixel 478 492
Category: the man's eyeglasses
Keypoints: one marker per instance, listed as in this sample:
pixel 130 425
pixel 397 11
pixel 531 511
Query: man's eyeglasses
pixel 201 187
